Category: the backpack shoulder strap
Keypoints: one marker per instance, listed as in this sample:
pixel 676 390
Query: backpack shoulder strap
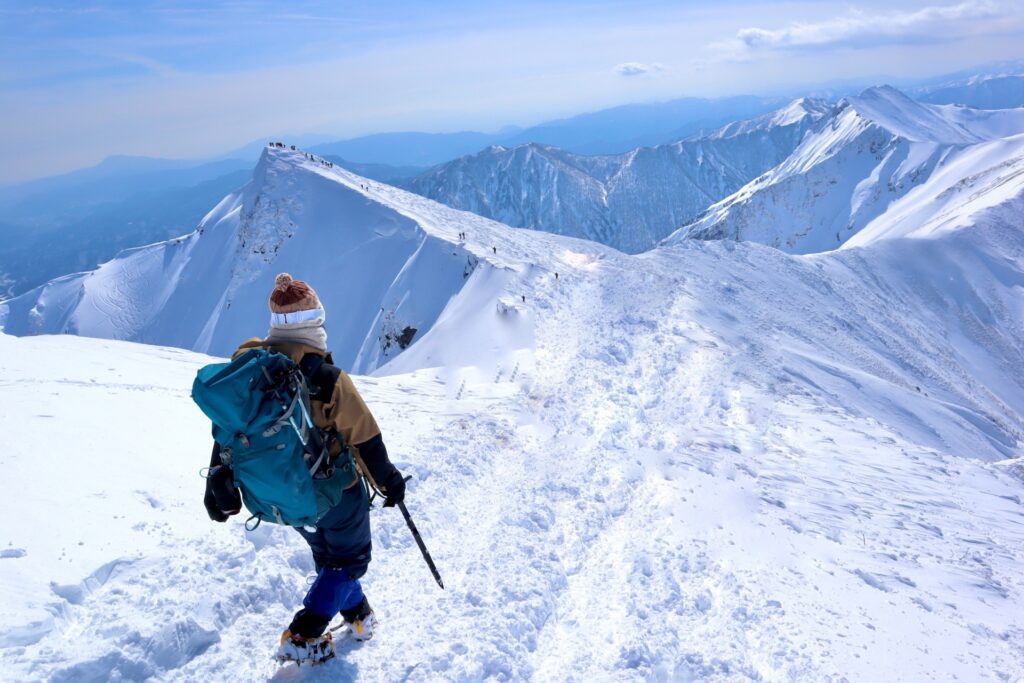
pixel 321 376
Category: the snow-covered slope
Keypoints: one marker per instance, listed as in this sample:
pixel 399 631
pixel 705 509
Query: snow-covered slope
pixel 713 461
pixel 360 243
pixel 628 201
pixel 877 158
pixel 970 184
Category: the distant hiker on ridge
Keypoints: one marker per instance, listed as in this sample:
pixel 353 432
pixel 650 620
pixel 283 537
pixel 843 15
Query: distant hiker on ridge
pixel 330 508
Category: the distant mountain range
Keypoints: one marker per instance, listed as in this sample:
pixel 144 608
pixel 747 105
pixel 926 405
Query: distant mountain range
pixel 811 177
pixel 77 220
pixel 74 221
pixel 405 149
pixel 50 202
pixel 629 201
pixel 984 92
pixel 609 131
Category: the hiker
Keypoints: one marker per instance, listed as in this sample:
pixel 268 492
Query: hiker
pixel 340 539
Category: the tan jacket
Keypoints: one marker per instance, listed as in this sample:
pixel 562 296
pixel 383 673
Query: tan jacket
pixel 346 412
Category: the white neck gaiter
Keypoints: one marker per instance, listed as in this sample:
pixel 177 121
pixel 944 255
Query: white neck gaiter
pixel 301 327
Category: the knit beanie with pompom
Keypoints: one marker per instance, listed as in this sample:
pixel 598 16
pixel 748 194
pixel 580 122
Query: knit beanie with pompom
pixel 296 314
pixel 292 296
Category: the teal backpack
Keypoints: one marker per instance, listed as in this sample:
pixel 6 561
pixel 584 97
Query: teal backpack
pixel 260 407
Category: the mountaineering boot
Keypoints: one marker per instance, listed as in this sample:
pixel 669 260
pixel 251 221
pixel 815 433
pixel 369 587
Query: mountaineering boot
pixel 295 648
pixel 360 620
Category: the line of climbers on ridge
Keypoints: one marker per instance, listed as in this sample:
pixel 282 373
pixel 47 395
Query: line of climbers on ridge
pixel 281 145
pixel 330 164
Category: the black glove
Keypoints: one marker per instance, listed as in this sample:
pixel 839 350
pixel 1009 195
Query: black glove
pixel 222 498
pixel 211 505
pixel 394 489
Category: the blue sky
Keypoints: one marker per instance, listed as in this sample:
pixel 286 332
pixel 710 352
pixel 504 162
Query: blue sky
pixel 81 80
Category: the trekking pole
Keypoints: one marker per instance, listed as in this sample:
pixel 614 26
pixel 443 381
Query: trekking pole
pixel 419 542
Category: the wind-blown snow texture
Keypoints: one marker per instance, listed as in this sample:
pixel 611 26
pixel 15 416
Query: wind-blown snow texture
pixel 714 461
pixel 628 201
pixel 882 164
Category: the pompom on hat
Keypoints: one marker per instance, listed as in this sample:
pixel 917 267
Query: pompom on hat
pixel 293 303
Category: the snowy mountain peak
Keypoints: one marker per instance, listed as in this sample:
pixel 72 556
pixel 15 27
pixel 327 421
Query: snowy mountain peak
pixel 385 264
pixel 629 201
pixel 889 108
pixel 805 106
pixel 861 161
pixel 805 109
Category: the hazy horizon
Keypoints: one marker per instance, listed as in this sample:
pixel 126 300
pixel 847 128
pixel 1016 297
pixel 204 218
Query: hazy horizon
pixel 184 81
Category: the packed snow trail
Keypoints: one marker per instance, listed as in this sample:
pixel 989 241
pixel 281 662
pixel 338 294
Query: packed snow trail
pixel 740 534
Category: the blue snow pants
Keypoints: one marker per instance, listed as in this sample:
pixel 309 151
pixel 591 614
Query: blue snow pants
pixel 341 552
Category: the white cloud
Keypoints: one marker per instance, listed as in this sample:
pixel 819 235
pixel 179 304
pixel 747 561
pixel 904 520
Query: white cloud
pixel 860 29
pixel 637 68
